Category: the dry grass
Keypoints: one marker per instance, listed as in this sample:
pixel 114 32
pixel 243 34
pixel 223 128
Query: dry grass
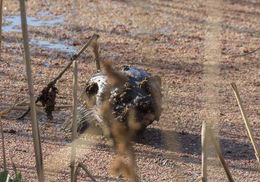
pixel 246 121
pixel 35 127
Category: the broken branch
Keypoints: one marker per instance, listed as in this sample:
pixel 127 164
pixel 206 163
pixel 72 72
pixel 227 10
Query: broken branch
pixel 48 94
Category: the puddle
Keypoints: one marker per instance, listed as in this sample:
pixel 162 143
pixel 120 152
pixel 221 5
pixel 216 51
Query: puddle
pixel 13 23
pixel 58 46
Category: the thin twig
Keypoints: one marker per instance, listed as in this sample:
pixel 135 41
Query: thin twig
pixel 246 121
pixel 53 82
pixel 74 57
pixel 6 111
pixel 74 120
pixel 25 113
pixel 247 53
pixel 219 153
pixel 35 127
pixel 82 166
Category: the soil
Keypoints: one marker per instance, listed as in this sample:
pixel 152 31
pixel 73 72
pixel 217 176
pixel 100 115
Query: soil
pixel 165 38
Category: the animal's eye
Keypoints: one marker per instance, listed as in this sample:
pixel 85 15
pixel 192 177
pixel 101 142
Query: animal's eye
pixel 92 89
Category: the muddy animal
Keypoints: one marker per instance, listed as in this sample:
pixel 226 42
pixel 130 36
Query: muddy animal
pixel 112 95
pixel 128 91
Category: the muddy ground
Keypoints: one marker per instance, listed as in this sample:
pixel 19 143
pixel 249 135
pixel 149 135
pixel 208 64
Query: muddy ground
pixel 166 38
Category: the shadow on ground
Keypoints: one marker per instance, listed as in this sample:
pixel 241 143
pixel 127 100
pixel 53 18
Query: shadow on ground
pixel 189 143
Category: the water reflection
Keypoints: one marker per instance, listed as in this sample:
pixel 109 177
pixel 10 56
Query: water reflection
pixel 13 23
pixel 58 46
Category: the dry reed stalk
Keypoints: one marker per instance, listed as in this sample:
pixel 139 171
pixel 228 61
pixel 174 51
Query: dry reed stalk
pixel 75 14
pixel 219 153
pixel 35 127
pixel 82 166
pixel 3 144
pixel 74 170
pixel 59 159
pixel 211 76
pixel 204 150
pixel 95 47
pixel 1 21
pixel 75 7
pixel 74 120
pixel 246 121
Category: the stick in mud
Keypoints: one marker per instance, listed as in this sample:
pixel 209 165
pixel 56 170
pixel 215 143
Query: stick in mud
pixel 204 151
pixel 74 57
pixel 74 171
pixel 35 127
pixel 47 94
pixel 247 53
pixel 74 120
pixel 219 153
pixel 80 165
pixel 207 137
pixel 3 144
pixel 246 121
pixel 95 47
